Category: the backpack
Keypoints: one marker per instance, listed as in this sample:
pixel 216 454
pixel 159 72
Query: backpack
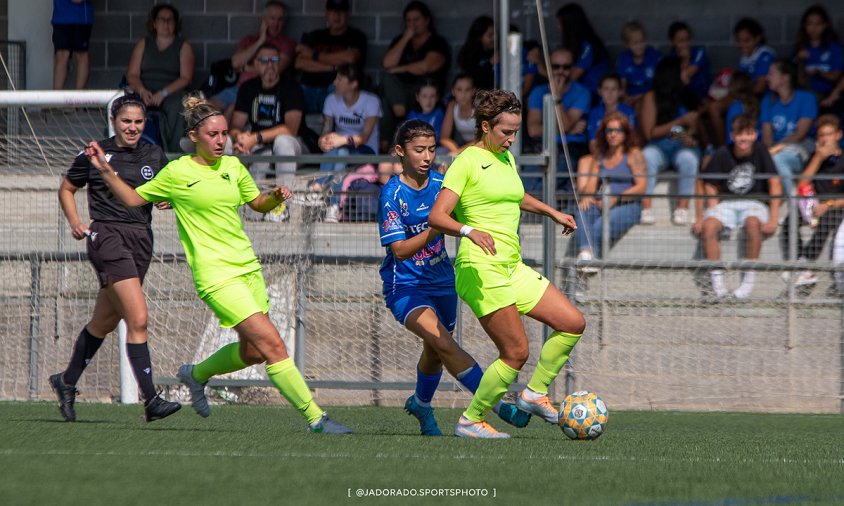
pixel 221 76
pixel 362 201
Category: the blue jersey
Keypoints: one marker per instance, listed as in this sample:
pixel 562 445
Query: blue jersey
pixel 402 214
pixel 596 116
pixel 736 108
pixel 823 59
pixel 594 69
pixel 699 85
pixel 639 77
pixel 434 118
pixel 784 117
pixel 757 63
pixel 576 97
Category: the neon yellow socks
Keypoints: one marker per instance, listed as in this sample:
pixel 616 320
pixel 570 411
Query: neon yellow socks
pixel 494 384
pixel 225 360
pixel 289 381
pixel 555 353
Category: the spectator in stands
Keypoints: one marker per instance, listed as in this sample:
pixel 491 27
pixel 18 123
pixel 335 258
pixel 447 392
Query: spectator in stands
pixel 591 56
pixel 743 100
pixel 694 63
pixel 322 51
pixel 418 54
pixel 818 52
pixel 618 161
pixel 350 118
pixel 267 117
pixel 828 208
pixel 610 91
pixel 458 130
pixel 477 57
pixel 243 59
pixel 72 22
pixel 428 108
pixel 160 69
pixel 787 114
pixel 360 190
pixel 669 124
pixel 637 63
pixel 572 108
pixel 743 161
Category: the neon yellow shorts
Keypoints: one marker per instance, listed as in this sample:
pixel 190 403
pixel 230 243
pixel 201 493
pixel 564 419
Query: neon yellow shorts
pixel 489 287
pixel 238 298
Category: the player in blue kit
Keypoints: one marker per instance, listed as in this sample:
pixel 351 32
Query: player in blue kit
pixel 419 279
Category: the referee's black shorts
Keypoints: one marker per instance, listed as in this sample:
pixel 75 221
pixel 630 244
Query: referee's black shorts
pixel 119 250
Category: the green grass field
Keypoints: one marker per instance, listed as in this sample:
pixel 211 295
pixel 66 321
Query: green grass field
pixel 262 455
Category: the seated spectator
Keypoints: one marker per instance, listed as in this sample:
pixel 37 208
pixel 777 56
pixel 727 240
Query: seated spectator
pixel 534 72
pixel 743 100
pixel 361 190
pixel 694 63
pixel 160 68
pixel 72 21
pixel 477 57
pixel 637 63
pixel 591 56
pixel 417 55
pixel 787 113
pixel 743 160
pixel 428 108
pixel 350 118
pixel 828 208
pixel 458 130
pixel 669 124
pixel 610 93
pixel 243 59
pixel 573 108
pixel 267 117
pixel 818 52
pixel 323 50
pixel 620 163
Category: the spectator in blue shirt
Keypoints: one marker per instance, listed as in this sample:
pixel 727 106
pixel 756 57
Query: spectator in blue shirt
pixel 756 56
pixel 591 56
pixel 818 51
pixel 743 101
pixel 72 22
pixel 637 63
pixel 694 63
pixel 787 115
pixel 610 92
pixel 428 107
pixel 573 108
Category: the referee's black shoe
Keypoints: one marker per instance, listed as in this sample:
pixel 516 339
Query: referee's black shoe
pixel 66 395
pixel 158 408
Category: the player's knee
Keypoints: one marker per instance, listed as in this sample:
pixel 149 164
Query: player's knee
pixel 573 324
pixel 516 354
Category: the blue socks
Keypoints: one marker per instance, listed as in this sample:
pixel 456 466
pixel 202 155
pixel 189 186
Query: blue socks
pixel 471 378
pixel 426 385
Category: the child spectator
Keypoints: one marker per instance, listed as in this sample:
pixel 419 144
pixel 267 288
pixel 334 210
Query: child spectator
pixel 458 130
pixel 637 63
pixel 818 51
pixel 694 63
pixel 591 56
pixel 756 56
pixel 744 101
pixel 610 93
pixel 742 160
pixel 428 107
pixel 787 114
pixel 477 57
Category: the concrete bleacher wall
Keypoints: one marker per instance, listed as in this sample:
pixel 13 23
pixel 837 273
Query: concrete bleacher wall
pixel 214 26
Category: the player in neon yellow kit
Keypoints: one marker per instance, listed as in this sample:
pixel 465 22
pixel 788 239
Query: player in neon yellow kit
pixel 483 190
pixel 206 189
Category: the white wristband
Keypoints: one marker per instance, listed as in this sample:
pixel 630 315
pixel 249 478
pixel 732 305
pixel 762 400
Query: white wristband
pixel 465 230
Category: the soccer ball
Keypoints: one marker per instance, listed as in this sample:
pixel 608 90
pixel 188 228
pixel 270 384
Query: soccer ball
pixel 583 415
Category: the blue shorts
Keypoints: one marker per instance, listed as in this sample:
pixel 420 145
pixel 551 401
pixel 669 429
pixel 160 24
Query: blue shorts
pixel 404 302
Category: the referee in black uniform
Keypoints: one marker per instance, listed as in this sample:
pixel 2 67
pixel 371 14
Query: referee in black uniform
pixel 119 244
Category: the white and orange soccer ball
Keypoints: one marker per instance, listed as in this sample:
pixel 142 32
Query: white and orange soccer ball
pixel 583 415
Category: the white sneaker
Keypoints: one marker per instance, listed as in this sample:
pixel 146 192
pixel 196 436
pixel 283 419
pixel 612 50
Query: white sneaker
pixel 587 255
pixel 680 217
pixel 332 214
pixel 647 217
pixel 805 278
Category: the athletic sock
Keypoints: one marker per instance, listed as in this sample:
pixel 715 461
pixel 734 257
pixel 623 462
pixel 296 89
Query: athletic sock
pixel 494 384
pixel 746 288
pixel 289 381
pixel 142 367
pixel 718 287
pixel 84 349
pixel 471 377
pixel 225 360
pixel 555 352
pixel 426 385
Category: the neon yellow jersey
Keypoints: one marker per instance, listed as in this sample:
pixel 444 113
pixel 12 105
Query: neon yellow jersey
pixel 491 194
pixel 205 200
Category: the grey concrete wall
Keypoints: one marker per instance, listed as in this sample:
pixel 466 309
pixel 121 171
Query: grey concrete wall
pixel 214 26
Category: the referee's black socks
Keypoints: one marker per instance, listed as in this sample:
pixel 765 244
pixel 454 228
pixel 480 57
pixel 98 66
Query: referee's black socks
pixel 84 348
pixel 142 366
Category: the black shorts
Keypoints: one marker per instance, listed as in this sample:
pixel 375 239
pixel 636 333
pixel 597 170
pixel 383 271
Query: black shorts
pixel 119 251
pixel 73 38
